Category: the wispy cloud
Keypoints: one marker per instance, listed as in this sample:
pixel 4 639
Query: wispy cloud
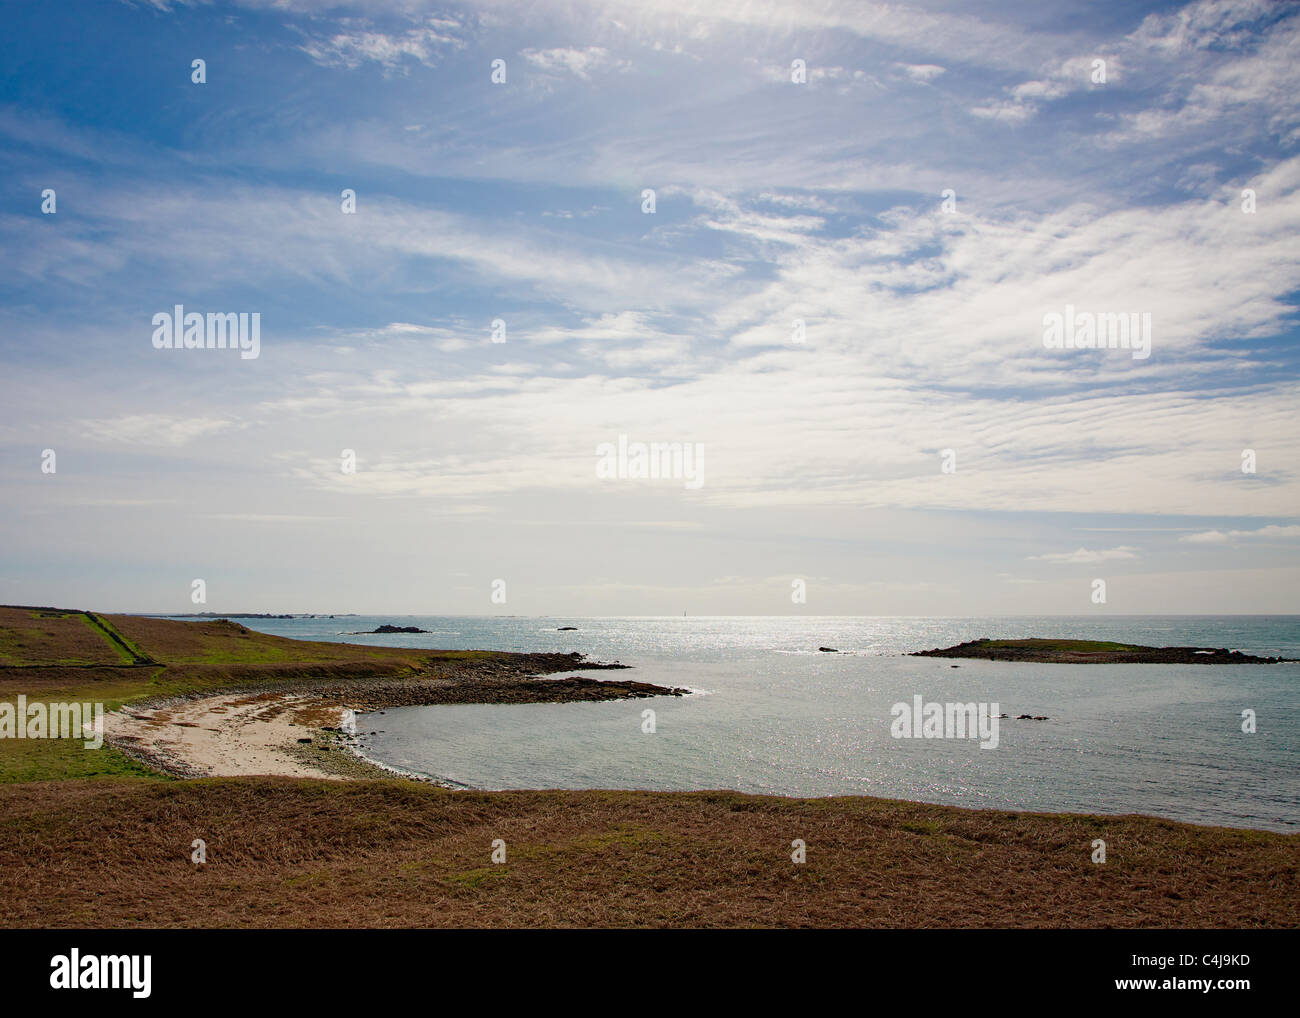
pixel 358 43
pixel 1084 556
pixel 160 430
pixel 1273 532
pixel 803 301
pixel 582 63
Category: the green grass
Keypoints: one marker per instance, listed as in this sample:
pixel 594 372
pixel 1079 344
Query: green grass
pixel 128 650
pixel 100 629
pixel 113 687
pixel 473 878
pixel 1076 646
pixel 65 759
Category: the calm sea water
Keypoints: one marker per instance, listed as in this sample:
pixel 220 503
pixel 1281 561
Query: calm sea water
pixel 771 714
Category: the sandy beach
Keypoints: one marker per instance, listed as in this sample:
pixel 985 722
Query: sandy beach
pixel 228 735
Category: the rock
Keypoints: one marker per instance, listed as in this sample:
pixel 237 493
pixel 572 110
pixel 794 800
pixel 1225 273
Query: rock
pixel 398 629
pixel 304 740
pixel 828 650
pixel 1025 717
pixel 567 629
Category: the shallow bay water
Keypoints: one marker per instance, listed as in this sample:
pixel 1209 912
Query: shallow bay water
pixel 771 714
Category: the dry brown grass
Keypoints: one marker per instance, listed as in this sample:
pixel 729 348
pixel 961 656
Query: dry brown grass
pixel 53 636
pixel 72 655
pixel 301 853
pixel 225 642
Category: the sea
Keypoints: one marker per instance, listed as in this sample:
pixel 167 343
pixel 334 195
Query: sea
pixel 768 712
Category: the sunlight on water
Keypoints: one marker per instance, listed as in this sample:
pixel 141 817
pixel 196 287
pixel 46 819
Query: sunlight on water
pixel 777 716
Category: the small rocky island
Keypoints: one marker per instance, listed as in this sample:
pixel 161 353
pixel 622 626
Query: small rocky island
pixel 1094 652
pixel 397 629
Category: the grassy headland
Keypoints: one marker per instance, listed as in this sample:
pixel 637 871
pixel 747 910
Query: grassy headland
pixel 55 655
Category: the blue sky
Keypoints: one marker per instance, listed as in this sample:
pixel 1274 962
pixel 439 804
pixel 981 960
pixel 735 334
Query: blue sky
pixel 775 201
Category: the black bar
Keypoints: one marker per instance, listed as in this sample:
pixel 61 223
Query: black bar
pixel 929 967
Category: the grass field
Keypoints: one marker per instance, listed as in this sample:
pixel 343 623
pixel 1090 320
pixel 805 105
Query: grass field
pixel 284 852
pixel 57 655
pixel 52 637
pixel 74 654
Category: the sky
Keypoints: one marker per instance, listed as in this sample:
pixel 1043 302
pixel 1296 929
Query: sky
pixel 816 245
